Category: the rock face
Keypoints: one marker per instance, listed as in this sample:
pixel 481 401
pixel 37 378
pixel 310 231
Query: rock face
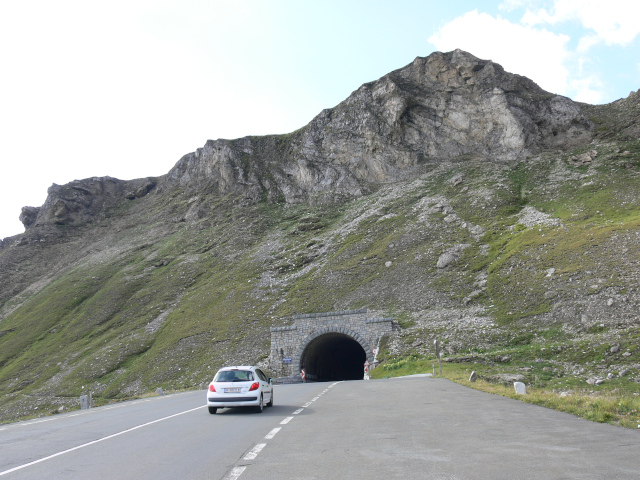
pixel 444 106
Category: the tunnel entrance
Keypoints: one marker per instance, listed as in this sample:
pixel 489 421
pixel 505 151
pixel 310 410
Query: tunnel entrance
pixel 333 357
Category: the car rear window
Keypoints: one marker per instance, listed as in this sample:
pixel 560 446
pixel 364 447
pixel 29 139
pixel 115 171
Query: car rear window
pixel 234 376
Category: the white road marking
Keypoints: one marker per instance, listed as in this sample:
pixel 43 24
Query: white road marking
pixel 35 422
pixel 90 411
pixel 20 467
pixel 255 451
pixel 235 473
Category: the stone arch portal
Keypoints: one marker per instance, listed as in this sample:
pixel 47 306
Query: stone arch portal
pixel 333 355
pixel 329 346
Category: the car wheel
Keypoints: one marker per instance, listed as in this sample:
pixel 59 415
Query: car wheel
pixel 260 406
pixel 270 404
pixel 213 410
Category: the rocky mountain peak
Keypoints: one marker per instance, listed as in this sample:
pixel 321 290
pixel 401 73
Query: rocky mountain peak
pixel 438 108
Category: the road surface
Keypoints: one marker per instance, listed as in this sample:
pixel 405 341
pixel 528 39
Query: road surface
pixel 404 428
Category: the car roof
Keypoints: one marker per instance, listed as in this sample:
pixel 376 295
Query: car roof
pixel 245 367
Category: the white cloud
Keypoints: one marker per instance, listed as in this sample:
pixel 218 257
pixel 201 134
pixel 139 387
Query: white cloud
pixel 510 5
pixel 87 91
pixel 523 49
pixel 587 90
pixel 614 22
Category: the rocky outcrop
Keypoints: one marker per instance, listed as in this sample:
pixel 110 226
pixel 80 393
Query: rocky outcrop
pixel 619 119
pixel 272 168
pixel 81 201
pixel 445 106
pixel 29 215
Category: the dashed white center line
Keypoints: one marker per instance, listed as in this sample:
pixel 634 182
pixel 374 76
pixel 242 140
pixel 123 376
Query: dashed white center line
pixel 235 473
pixel 272 433
pixel 255 451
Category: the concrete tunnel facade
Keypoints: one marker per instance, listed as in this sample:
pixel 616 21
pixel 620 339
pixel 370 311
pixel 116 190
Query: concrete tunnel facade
pixel 329 346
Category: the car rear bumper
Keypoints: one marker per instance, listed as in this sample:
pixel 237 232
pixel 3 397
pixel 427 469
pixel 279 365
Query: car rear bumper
pixel 235 401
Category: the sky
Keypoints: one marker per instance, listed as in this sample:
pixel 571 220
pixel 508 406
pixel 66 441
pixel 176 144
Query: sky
pixel 125 88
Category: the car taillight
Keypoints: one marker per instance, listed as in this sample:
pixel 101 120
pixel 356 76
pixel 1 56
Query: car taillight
pixel 255 386
pixel 212 388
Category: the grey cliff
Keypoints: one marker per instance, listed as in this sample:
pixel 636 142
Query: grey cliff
pixel 444 106
pixel 441 107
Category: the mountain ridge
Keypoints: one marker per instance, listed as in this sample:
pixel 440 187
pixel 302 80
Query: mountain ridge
pixel 379 134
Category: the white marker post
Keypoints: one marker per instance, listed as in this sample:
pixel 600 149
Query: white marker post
pixel 366 369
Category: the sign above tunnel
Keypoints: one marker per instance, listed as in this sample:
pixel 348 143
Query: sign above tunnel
pixel 329 346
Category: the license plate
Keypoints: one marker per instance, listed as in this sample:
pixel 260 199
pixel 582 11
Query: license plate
pixel 232 390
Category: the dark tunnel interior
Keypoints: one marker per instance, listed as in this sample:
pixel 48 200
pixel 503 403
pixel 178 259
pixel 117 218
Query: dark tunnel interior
pixel 332 357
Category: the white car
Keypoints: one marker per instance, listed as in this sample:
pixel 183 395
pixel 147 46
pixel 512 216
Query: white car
pixel 240 387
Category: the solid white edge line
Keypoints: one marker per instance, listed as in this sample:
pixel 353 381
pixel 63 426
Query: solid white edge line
pixel 20 467
pixel 255 451
pixel 272 433
pixel 89 411
pixel 286 420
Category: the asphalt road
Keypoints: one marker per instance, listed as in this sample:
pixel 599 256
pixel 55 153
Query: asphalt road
pixel 171 437
pixel 414 427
